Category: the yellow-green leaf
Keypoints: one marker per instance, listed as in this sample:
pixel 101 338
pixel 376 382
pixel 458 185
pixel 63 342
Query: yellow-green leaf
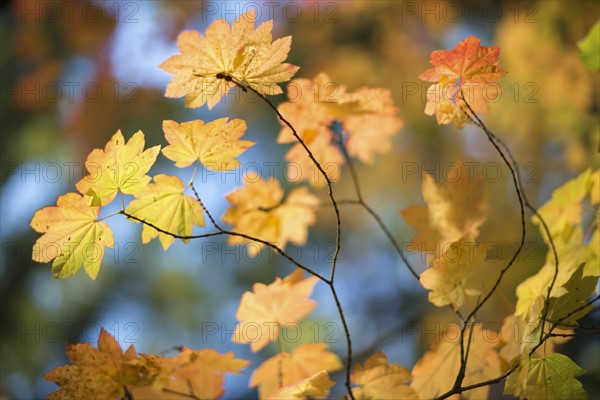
pixel 164 205
pixel 120 167
pixel 549 378
pixel 72 236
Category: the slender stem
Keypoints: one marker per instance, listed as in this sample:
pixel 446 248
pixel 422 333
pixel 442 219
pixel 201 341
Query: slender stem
pixel 460 376
pixel 360 201
pixel 231 233
pixel 310 155
pixel 281 351
pixel 348 339
pixel 208 214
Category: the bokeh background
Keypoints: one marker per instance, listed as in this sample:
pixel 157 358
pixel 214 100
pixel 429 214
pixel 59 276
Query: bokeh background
pixel 73 73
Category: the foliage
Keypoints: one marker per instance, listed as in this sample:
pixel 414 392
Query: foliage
pixel 333 126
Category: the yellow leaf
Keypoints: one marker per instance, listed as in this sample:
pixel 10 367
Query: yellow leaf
pixel 164 205
pixel 268 307
pixel 101 373
pixel 257 210
pixel 454 210
pixel 72 236
pixel 461 272
pixel 209 65
pixel 380 380
pixel 215 144
pixel 120 167
pixel 314 386
pixel 483 363
pixel 304 361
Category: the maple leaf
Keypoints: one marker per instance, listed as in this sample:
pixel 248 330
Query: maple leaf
pixel 380 380
pixel 210 65
pixel 575 282
pixel 564 209
pixel 164 204
pixel 301 167
pixel 468 70
pixel 461 272
pixel 367 117
pixel 120 167
pixel 483 363
pixel 519 336
pixel 257 210
pixel 101 373
pixel 200 374
pixel 268 307
pixel 215 144
pixel 551 377
pixel 454 210
pixel 315 385
pixel 72 236
pixel 296 366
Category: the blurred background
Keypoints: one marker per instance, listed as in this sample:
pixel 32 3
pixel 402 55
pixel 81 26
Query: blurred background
pixel 73 73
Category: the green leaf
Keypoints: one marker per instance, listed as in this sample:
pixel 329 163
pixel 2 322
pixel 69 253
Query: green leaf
pixel 551 378
pixel 589 48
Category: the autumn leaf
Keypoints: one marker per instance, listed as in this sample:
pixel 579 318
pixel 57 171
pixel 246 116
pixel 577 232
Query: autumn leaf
pixel 302 168
pixel 483 363
pixel 96 373
pixel 454 210
pixel 215 144
pixel 460 273
pixel 268 307
pixel 314 386
pixel 380 380
pixel 120 167
pixel 164 204
pixel 257 210
pixel 72 236
pixel 296 366
pixel 367 117
pixel 468 70
pixel 551 378
pixel 210 65
pixel 200 374
pixel 518 337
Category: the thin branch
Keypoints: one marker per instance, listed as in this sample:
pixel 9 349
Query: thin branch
pixel 360 201
pixel 348 339
pixel 461 373
pixel 245 88
pixel 231 233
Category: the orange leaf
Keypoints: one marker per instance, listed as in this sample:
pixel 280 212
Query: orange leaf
pixel 483 363
pixel 312 387
pixel 120 167
pixel 380 380
pixel 268 307
pixel 454 210
pixel 72 236
pixel 101 373
pixel 257 210
pixel 467 72
pixel 209 65
pixel 304 361
pixel 367 116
